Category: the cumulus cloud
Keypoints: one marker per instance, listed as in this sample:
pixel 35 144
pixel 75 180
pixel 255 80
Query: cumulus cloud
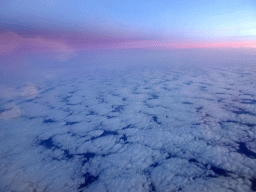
pixel 29 91
pixel 12 113
pixel 151 128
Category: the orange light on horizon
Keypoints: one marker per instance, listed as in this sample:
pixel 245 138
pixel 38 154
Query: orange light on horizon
pixel 165 45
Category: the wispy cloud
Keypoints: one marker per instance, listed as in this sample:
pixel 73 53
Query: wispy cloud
pixel 13 43
pixel 167 44
pixel 64 45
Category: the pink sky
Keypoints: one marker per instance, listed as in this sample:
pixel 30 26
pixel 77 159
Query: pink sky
pixel 13 43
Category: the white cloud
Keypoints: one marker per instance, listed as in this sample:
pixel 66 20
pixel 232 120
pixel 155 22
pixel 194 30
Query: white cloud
pixel 174 129
pixel 12 113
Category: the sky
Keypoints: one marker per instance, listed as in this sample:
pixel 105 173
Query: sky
pixel 67 26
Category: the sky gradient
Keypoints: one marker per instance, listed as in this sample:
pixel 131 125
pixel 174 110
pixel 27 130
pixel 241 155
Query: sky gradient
pixel 66 26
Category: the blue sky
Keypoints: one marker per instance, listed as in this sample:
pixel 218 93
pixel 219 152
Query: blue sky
pixel 101 20
pixel 192 18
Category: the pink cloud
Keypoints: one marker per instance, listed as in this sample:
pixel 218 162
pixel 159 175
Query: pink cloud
pixel 65 45
pixel 12 43
pixel 225 44
pixel 12 113
pixel 165 45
